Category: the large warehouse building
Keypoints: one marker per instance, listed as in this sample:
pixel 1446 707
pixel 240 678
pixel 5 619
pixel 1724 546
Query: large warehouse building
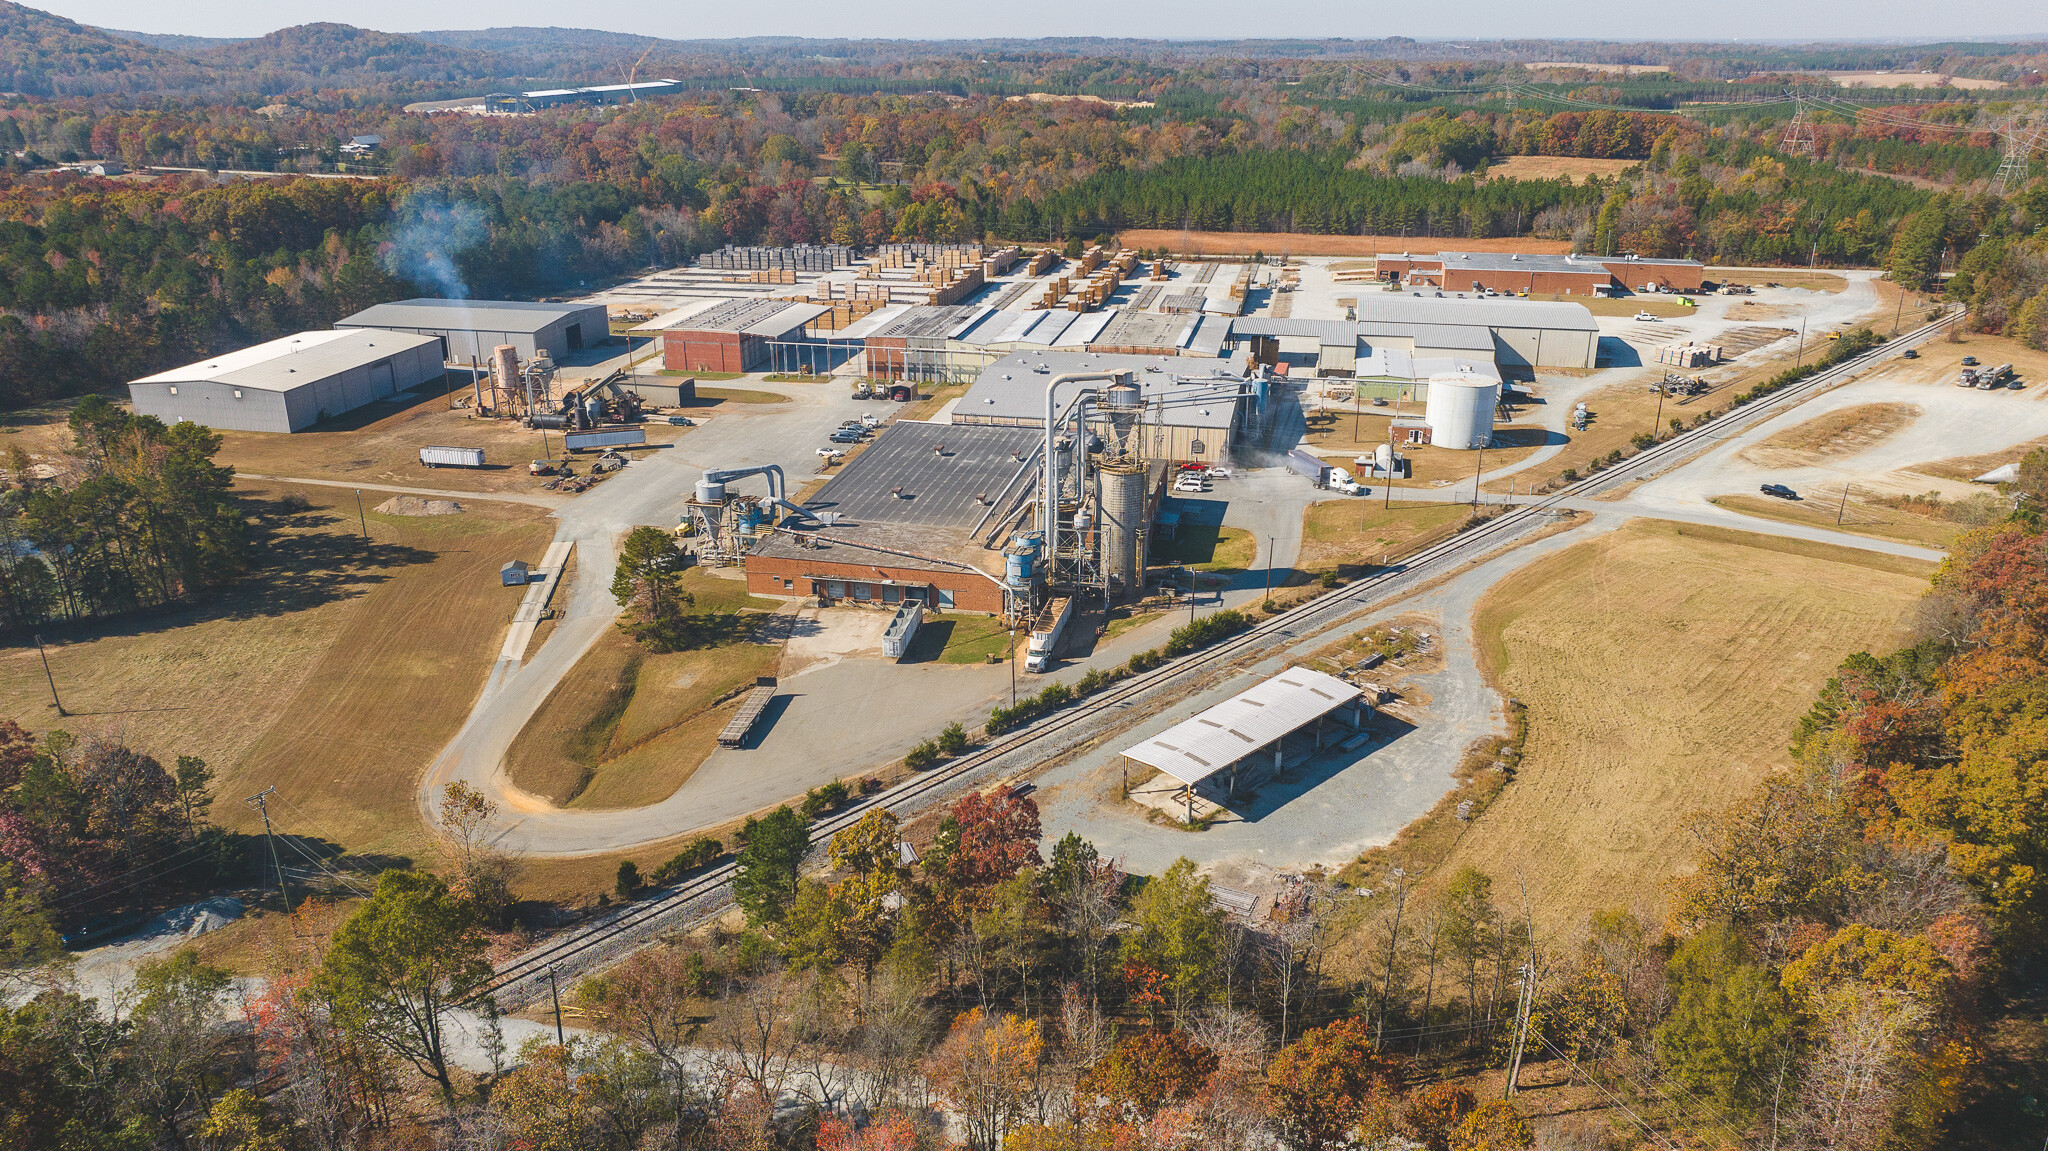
pixel 291 382
pixel 1571 275
pixel 469 329
pixel 917 516
pixel 1194 406
pixel 1517 333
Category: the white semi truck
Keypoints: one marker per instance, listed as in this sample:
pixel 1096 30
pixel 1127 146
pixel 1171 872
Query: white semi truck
pixel 1046 631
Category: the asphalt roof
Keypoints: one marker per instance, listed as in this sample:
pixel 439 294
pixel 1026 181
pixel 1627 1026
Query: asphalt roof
pixel 1197 748
pixel 464 315
pixel 939 488
pixel 1014 388
pixel 291 362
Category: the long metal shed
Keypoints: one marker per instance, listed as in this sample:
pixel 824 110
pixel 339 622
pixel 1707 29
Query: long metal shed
pixel 1214 742
pixel 288 383
pixel 471 328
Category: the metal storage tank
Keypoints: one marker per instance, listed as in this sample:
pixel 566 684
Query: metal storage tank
pixel 1020 560
pixel 1459 410
pixel 1123 514
pixel 710 492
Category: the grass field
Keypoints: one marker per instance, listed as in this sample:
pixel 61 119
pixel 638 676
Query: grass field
pixel 740 395
pixel 1206 547
pixel 625 728
pixel 1345 536
pixel 1663 666
pixel 959 638
pixel 1577 169
pixel 1842 432
pixel 334 672
pixel 1820 507
pixel 1783 277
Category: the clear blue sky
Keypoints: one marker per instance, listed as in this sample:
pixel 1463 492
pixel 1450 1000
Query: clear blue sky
pixel 938 19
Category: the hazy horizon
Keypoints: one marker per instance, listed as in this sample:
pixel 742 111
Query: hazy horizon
pixel 1746 21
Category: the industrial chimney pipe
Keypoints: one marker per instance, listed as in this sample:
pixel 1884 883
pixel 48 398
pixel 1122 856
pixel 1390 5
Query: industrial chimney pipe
pixel 1052 420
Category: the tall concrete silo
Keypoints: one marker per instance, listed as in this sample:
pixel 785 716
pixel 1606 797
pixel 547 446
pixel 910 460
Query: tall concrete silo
pixel 1123 519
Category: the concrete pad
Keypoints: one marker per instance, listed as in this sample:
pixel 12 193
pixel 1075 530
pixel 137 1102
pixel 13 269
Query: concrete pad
pixel 824 636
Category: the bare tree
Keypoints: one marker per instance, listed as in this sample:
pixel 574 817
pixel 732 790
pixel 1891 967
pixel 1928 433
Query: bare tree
pixel 751 1037
pixel 1859 1073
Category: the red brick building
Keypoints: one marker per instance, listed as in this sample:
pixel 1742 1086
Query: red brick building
pixel 1539 275
pixel 733 336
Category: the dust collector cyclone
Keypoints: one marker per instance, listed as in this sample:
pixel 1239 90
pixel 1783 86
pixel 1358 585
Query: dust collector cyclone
pixel 1122 402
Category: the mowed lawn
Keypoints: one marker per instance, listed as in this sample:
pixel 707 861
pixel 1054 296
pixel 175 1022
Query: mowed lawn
pixel 334 672
pixel 1663 666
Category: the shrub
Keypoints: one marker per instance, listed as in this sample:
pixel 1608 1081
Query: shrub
pixel 1202 633
pixel 1054 695
pixel 702 851
pixel 830 797
pixel 922 756
pixel 628 881
pixel 953 740
pixel 1091 681
pixel 1571 475
pixel 1146 661
pixel 1329 579
pixel 1612 458
pixel 870 785
pixel 1642 440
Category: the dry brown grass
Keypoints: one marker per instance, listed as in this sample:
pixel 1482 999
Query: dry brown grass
pixel 1662 307
pixel 625 728
pixel 1307 244
pixel 1783 277
pixel 1858 517
pixel 333 672
pixel 1347 536
pixel 380 444
pixel 1968 468
pixel 1842 432
pixel 1348 435
pixel 1577 169
pixel 1663 666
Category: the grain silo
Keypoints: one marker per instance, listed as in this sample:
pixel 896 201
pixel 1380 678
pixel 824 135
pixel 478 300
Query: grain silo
pixel 1459 410
pixel 1123 519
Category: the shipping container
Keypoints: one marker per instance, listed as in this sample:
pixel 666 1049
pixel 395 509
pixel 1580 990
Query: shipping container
pixel 896 640
pixel 435 457
pixel 607 438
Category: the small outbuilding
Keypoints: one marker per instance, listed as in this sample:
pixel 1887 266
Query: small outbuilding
pixel 289 383
pixel 1242 740
pixel 469 329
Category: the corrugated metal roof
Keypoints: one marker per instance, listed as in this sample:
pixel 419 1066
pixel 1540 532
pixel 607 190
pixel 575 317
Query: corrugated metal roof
pixel 1180 386
pixel 464 315
pixel 787 320
pixel 290 362
pixel 1491 312
pixel 873 322
pixel 670 319
pixel 1197 748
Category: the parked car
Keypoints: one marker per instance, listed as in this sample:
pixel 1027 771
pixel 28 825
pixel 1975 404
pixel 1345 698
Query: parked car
pixel 1780 491
pixel 1969 361
pixel 1647 318
pixel 844 438
pixel 1911 353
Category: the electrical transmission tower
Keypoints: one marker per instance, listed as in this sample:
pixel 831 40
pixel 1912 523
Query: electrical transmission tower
pixel 1798 139
pixel 2020 142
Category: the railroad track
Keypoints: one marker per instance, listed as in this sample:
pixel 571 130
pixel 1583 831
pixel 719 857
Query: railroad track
pixel 708 891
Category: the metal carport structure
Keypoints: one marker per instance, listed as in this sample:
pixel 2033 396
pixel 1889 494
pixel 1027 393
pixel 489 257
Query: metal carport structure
pixel 1217 740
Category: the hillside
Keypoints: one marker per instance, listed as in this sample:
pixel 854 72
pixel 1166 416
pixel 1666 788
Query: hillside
pixel 46 55
pixel 173 41
pixel 341 55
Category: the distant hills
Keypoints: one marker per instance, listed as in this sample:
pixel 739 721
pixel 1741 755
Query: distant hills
pixel 42 54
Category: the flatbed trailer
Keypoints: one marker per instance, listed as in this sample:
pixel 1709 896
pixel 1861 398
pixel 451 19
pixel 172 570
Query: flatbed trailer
pixel 743 720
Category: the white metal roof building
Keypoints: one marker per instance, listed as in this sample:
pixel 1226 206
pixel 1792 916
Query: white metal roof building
pixel 1213 743
pixel 1507 331
pixel 1194 405
pixel 471 328
pixel 291 382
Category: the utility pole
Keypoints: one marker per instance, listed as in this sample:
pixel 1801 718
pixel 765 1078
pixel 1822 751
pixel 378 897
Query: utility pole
pixel 1477 470
pixel 555 993
pixel 362 520
pixel 1521 1028
pixel 1845 504
pixel 1657 421
pixel 1800 357
pixel 1901 317
pixel 54 701
pixel 1013 667
pixel 257 801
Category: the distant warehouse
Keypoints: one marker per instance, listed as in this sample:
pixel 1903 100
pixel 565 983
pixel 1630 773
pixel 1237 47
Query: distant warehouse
pixel 469 328
pixel 1540 274
pixel 291 382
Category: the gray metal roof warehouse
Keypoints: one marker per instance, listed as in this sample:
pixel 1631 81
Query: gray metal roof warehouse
pixel 291 382
pixel 1515 332
pixel 473 327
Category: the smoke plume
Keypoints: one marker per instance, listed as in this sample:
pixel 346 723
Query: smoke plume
pixel 431 233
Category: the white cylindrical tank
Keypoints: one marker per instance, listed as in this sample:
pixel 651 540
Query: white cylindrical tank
pixel 1383 456
pixel 1460 410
